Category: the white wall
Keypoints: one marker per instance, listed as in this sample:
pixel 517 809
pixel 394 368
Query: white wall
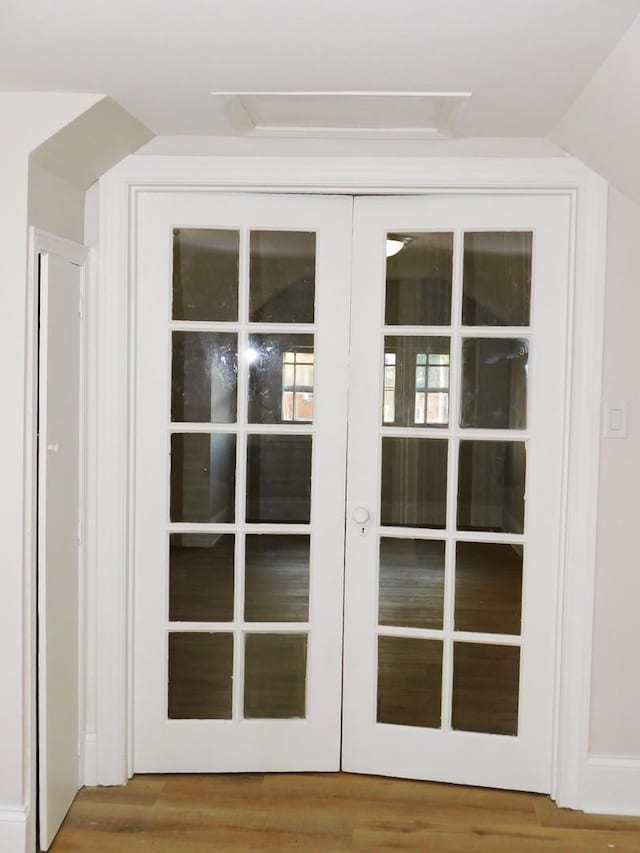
pixel 27 120
pixel 55 205
pixel 615 704
pixel 602 127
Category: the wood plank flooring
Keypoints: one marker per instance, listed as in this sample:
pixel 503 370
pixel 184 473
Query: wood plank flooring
pixel 326 813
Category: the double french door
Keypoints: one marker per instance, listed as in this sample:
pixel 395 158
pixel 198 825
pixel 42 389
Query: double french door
pixel 389 367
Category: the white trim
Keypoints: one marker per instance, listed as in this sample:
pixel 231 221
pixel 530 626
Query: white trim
pixel 611 785
pixel 14 830
pixel 40 242
pixel 567 176
pixel 89 764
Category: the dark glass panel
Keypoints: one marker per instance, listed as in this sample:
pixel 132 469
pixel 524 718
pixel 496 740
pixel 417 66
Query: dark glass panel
pixel 491 479
pixel 200 676
pixel 488 587
pixel 276 578
pixel 280 379
pixel 204 377
pixel 205 274
pixel 409 681
pixel 282 276
pixel 201 577
pixel 275 674
pixel 411 583
pixel 414 482
pixel 496 287
pixel 279 478
pixel 203 483
pixel 418 289
pixel 494 383
pixel 486 682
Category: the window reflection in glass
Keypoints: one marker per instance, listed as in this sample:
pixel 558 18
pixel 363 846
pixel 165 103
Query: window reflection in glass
pixel 416 381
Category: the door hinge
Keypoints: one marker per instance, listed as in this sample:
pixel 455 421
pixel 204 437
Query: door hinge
pixel 79 533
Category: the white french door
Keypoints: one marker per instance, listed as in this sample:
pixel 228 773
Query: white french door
pixel 455 368
pixel 454 498
pixel 242 330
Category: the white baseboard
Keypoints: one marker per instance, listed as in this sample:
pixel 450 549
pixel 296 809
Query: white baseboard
pixel 13 830
pixel 611 785
pixel 90 761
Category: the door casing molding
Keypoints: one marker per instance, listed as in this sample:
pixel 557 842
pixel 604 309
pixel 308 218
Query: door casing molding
pixel 111 419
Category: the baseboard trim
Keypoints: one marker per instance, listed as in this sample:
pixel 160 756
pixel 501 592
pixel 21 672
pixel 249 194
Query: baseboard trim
pixel 90 760
pixel 13 829
pixel 611 785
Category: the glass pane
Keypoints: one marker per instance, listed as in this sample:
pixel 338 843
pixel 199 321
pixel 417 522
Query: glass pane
pixel 414 482
pixel 280 379
pixel 279 478
pixel 419 280
pixel 409 681
pixel 205 274
pixel 275 674
pixel 413 381
pixel 201 577
pixel 488 587
pixel 203 477
pixel 496 289
pixel 491 480
pixel 204 377
pixel 282 277
pixel 494 383
pixel 276 578
pixel 486 682
pixel 411 583
pixel 200 676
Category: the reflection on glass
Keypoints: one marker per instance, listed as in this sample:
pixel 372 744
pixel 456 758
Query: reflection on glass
pixel 279 478
pixel 418 291
pixel 200 676
pixel 488 587
pixel 491 478
pixel 282 277
pixel 204 377
pixel 409 681
pixel 414 482
pixel 276 578
pixel 280 379
pixel 203 477
pixel 494 383
pixel 201 577
pixel 205 274
pixel 275 674
pixel 411 589
pixel 416 381
pixel 486 681
pixel 496 289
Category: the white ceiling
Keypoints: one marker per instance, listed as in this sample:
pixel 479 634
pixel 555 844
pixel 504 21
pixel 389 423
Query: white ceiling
pixel 523 61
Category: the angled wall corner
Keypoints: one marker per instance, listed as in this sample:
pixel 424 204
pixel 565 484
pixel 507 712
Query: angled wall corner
pixel 602 127
pixel 91 144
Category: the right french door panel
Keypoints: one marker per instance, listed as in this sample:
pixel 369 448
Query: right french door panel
pixel 456 424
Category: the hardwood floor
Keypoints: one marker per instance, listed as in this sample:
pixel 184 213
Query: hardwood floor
pixel 327 812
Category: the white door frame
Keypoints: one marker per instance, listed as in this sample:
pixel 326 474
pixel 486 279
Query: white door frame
pixel 111 420
pixel 41 242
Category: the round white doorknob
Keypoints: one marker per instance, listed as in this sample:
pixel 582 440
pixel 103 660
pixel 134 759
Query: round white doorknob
pixel 360 515
pixel 53 448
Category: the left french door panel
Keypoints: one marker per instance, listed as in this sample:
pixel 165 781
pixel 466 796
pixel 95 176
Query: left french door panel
pixel 240 453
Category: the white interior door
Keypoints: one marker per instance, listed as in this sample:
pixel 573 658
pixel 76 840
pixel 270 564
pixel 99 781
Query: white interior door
pixel 241 394
pixel 58 540
pixel 457 390
pixel 456 395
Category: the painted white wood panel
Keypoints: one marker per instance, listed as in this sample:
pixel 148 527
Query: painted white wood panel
pixel 58 539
